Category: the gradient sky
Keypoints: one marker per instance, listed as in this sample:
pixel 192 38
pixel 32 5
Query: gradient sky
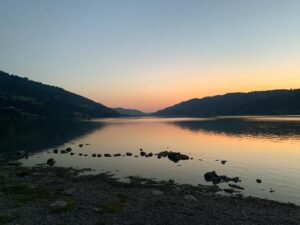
pixel 152 54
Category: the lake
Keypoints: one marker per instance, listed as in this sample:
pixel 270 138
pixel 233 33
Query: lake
pixel 267 148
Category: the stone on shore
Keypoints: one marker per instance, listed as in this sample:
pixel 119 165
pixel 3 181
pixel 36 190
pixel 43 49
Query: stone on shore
pixel 190 198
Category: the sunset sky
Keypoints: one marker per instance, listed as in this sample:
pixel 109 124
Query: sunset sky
pixel 152 54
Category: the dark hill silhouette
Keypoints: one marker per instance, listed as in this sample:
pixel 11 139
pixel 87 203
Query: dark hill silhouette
pixel 23 97
pixel 130 112
pixel 274 102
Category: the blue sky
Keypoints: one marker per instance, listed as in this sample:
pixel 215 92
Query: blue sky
pixel 151 54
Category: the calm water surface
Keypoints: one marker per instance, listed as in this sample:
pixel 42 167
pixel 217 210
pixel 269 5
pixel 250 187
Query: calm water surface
pixel 255 147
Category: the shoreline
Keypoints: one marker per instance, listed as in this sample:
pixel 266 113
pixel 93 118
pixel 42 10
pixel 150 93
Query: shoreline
pixel 55 195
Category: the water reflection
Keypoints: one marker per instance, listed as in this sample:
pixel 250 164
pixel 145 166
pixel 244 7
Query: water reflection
pixel 35 135
pixel 252 127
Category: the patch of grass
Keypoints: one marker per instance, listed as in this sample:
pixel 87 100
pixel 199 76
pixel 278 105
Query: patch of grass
pixel 71 204
pixel 122 198
pixel 4 219
pixel 2 180
pixel 111 207
pixel 23 193
pixel 115 206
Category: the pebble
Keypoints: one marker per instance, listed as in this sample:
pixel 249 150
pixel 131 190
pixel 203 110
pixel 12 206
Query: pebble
pixel 190 198
pixel 157 192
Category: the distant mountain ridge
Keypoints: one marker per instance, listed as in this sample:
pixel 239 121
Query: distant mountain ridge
pixel 129 112
pixel 273 102
pixel 23 97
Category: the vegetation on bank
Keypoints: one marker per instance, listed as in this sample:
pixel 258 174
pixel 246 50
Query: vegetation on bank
pixel 23 98
pixel 274 102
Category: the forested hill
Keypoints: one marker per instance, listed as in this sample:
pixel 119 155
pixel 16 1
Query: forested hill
pixel 23 97
pixel 129 112
pixel 274 102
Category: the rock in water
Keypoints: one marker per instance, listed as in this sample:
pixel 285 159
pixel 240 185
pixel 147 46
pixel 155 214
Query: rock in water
pixel 128 153
pixel 190 198
pixel 224 162
pixel 51 162
pixel 80 145
pixel 107 155
pixel 173 156
pixel 55 151
pixel 236 186
pixel 68 149
pixel 215 178
pixel 258 181
pixel 142 153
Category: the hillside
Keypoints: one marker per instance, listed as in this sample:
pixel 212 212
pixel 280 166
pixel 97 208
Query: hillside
pixel 272 102
pixel 129 112
pixel 22 97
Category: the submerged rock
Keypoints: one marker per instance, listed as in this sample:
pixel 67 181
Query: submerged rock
pixel 80 145
pixel 72 153
pixel 229 190
pixel 236 186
